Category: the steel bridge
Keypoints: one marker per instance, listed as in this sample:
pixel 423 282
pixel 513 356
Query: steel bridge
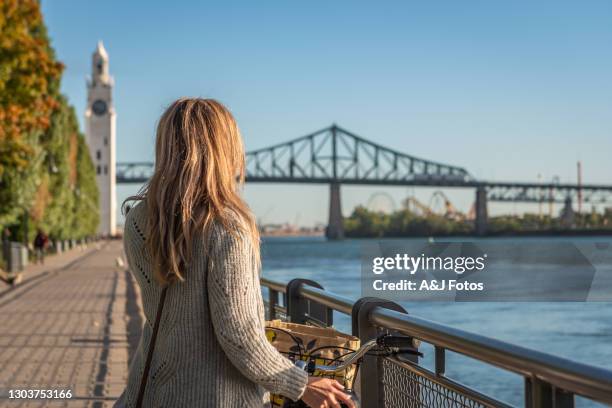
pixel 336 156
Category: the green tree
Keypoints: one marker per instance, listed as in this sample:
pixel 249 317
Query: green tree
pixel 363 223
pixel 29 80
pixel 46 174
pixel 86 195
pixel 53 208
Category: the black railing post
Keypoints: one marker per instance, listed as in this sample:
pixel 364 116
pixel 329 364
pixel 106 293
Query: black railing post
pixel 540 394
pixel 370 381
pixel 440 360
pixel 300 309
pixel 272 302
pixel 563 399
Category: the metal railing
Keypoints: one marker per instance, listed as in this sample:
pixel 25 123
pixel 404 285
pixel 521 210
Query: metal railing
pixel 549 381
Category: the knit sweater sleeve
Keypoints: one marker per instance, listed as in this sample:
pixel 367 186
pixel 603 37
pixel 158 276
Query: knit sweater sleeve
pixel 235 303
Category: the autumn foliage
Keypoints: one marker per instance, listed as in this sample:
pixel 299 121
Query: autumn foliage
pixel 39 134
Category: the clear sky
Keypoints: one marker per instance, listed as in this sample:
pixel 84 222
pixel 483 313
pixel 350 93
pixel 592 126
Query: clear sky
pixel 508 90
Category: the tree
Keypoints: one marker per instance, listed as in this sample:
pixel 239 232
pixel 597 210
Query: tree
pixel 46 174
pixel 86 194
pixel 363 223
pixel 29 82
pixel 53 208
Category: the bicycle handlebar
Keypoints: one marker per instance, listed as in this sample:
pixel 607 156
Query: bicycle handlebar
pixel 389 343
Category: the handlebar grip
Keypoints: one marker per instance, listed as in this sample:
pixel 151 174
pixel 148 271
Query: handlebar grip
pixel 395 341
pixel 410 350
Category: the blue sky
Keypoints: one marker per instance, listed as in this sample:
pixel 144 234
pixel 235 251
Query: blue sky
pixel 508 90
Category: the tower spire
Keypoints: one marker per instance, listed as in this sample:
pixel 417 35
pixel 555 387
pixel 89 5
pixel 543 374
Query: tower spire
pixel 99 65
pixel 101 51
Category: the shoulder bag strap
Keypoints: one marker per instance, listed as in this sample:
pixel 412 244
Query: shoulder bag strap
pixel 145 374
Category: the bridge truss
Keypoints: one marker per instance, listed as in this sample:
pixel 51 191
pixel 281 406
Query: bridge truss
pixel 336 156
pixel 134 172
pixel 538 193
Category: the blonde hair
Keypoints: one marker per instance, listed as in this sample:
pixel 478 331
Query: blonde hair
pixel 199 167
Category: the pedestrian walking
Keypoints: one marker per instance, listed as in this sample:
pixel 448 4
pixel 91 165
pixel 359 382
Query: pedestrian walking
pixel 41 241
pixel 6 244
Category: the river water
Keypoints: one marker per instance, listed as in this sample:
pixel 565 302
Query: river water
pixel 576 330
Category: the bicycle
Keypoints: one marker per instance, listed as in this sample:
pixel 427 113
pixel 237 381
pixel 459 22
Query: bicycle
pixel 384 345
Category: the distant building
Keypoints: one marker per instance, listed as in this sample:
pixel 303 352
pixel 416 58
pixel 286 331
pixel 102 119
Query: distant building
pixel 100 128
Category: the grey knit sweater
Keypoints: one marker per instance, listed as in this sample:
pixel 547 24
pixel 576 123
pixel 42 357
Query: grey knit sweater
pixel 211 349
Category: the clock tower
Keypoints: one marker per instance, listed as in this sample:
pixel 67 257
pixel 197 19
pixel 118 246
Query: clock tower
pixel 100 128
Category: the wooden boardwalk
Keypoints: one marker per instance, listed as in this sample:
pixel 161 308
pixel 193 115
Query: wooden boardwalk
pixel 70 325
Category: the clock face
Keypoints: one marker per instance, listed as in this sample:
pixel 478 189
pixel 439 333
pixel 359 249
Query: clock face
pixel 99 107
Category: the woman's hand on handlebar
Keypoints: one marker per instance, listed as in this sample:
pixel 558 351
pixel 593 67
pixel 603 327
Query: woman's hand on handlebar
pixel 325 393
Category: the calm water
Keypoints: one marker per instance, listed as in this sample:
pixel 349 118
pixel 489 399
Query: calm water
pixel 579 331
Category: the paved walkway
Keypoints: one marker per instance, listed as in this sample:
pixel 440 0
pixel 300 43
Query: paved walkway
pixel 71 325
pixel 52 262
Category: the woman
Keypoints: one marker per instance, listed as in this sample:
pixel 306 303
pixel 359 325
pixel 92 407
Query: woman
pixel 192 231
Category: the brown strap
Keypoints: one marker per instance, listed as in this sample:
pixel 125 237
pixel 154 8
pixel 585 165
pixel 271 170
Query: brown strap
pixel 145 374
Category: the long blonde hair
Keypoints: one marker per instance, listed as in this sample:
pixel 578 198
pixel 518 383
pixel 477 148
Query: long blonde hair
pixel 199 167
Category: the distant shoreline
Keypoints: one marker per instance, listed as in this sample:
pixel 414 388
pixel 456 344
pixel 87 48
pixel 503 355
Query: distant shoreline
pixel 547 233
pixel 293 234
pixel 585 232
pixel 542 233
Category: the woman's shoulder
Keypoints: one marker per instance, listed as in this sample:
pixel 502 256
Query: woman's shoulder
pixel 229 232
pixel 231 242
pixel 135 221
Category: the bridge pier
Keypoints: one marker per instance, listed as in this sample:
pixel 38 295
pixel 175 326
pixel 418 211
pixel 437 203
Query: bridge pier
pixel 335 227
pixel 568 216
pixel 480 223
